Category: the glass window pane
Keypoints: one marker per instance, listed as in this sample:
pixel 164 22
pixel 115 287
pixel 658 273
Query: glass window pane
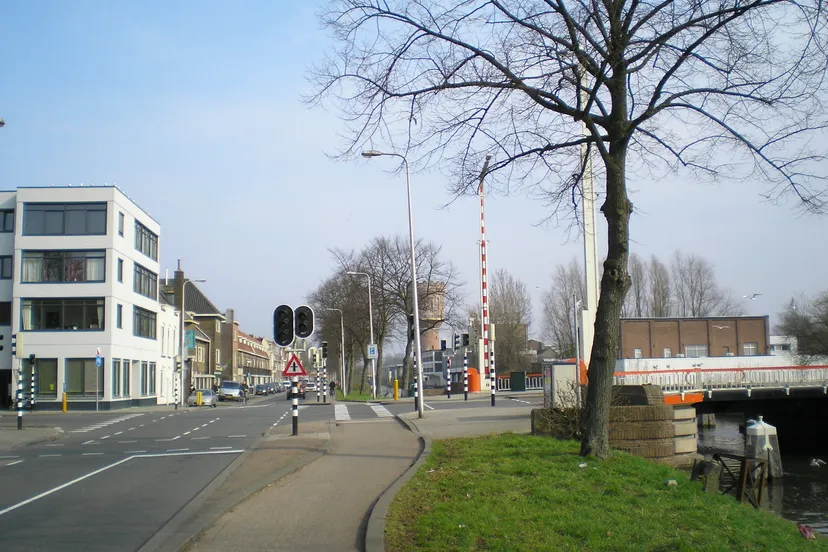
pixel 74 265
pixel 74 377
pixel 96 221
pixel 89 373
pixel 53 223
pixel 73 315
pixel 75 222
pixel 48 316
pixel 95 269
pixel 32 221
pixel 53 267
pixel 8 221
pixel 94 314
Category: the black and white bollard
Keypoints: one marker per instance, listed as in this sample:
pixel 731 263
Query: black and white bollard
pixel 465 374
pixel 492 371
pixel 19 399
pixel 325 388
pixel 175 392
pixel 317 385
pixel 294 402
pixel 416 387
pixel 32 398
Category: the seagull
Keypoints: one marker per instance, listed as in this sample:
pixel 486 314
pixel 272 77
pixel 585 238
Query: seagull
pixel 752 297
pixel 816 462
pixel 722 327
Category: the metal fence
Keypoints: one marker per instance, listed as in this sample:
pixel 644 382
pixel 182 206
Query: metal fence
pixel 534 382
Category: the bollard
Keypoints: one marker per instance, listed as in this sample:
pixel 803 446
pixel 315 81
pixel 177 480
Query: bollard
pixel 416 390
pixel 324 389
pixel 19 399
pixel 492 372
pixel 64 405
pixel 294 389
pixel 199 399
pixel 448 379
pixel 396 390
pixel 317 385
pixel 465 374
pixel 175 393
pixel 32 398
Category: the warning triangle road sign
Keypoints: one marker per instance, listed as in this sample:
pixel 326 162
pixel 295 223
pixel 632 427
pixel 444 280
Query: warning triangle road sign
pixel 294 367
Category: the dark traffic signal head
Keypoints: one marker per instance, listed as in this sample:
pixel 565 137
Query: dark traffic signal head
pixel 324 349
pixel 465 340
pixel 304 321
pixel 283 325
pixel 456 341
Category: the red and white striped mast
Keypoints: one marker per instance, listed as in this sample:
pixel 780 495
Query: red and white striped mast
pixel 484 285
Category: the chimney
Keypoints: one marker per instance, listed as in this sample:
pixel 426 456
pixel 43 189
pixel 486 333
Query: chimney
pixel 178 284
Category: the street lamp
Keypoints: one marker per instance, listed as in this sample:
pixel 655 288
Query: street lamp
pixel 371 329
pixel 341 349
pixel 418 351
pixel 181 336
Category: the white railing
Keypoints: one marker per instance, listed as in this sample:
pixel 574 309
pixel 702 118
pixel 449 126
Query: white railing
pixel 504 384
pixel 710 380
pixel 534 382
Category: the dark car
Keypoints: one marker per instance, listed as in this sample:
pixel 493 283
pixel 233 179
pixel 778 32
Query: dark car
pixel 271 387
pixel 261 389
pixel 300 394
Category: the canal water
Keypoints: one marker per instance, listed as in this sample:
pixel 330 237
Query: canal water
pixel 801 495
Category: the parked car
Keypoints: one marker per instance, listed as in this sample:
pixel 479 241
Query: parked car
pixel 208 398
pixel 261 389
pixel 271 387
pixel 301 393
pixel 230 391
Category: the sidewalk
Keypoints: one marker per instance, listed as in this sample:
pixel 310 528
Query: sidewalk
pixel 33 431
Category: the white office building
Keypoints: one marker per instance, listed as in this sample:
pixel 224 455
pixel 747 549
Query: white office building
pixel 79 279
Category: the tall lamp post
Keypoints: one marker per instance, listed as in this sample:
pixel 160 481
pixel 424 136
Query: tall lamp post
pixel 416 306
pixel 341 350
pixel 181 337
pixel 370 329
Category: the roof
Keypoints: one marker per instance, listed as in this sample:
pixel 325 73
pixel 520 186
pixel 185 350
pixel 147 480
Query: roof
pixel 196 301
pixel 242 338
pixel 165 299
pixel 199 334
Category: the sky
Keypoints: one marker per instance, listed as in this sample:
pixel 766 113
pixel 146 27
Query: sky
pixel 195 111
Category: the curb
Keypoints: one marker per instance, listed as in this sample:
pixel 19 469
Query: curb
pixel 375 532
pixel 192 523
pixel 56 434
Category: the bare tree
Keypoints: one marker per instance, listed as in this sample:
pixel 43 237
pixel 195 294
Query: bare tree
pixel 568 286
pixel 806 319
pixel 511 312
pixel 661 291
pixel 696 291
pixel 635 305
pixel 642 84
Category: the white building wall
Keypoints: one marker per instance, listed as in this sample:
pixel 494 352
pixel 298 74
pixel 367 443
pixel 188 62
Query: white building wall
pixel 7 201
pixel 113 342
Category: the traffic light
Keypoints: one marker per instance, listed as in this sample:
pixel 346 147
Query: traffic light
pixel 411 327
pixel 304 321
pixel 324 349
pixel 456 341
pixel 465 340
pixel 32 358
pixel 178 365
pixel 283 325
pixel 442 344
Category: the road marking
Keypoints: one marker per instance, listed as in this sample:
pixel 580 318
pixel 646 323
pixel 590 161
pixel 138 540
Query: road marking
pixel 55 445
pixel 204 425
pixel 518 400
pixel 235 436
pixel 196 428
pixel 92 453
pixel 47 455
pixel 170 439
pixel 8 457
pixel 61 487
pixel 177 450
pixel 15 462
pixel 90 442
pixel 118 433
pixel 100 425
pixel 134 451
pixel 428 406
pixel 124 442
pixel 381 411
pixel 105 437
pixel 198 438
pixel 187 432
pixel 130 429
pixel 220 448
pixel 142 425
pixel 341 413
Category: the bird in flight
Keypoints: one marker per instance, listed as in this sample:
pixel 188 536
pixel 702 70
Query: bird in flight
pixel 816 462
pixel 721 327
pixel 752 297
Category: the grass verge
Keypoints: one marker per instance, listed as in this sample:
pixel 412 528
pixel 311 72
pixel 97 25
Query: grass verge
pixel 353 396
pixel 524 493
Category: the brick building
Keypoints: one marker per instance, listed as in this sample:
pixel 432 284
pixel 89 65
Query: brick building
pixel 713 336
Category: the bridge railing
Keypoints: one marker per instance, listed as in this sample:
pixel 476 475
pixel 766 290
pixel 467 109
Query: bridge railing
pixel 534 382
pixel 711 379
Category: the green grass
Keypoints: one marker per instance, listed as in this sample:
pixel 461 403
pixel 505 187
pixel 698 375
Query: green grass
pixel 353 396
pixel 524 493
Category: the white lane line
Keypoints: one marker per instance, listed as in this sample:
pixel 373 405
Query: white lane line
pixel 220 448
pixel 124 442
pixel 142 425
pixel 177 450
pixel 61 487
pixel 154 421
pixel 236 436
pixel 130 429
pixel 134 451
pixel 89 442
pixel 105 437
pixel 196 428
pixel 341 413
pixel 518 400
pixel 48 455
pixel 428 406
pixel 170 439
pixel 187 432
pixel 8 457
pixel 92 453
pixel 13 463
pixel 204 425
pixel 55 445
pixel 198 438
pixel 117 432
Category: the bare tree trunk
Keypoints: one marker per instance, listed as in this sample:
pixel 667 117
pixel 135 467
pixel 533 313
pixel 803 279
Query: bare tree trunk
pixel 614 285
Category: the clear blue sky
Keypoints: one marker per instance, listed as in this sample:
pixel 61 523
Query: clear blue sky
pixel 194 110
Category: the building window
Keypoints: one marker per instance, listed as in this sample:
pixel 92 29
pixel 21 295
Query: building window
pixel 218 357
pixel 6 267
pixel 144 378
pixel 116 377
pixel 152 378
pixel 120 224
pixel 695 351
pixel 121 270
pixel 119 318
pixel 64 219
pixel 146 241
pixel 200 354
pixel 145 282
pixel 143 323
pixel 637 353
pixel 5 313
pixel 7 220
pixel 726 350
pixel 63 266
pixel 82 378
pixel 218 326
pixel 751 349
pixel 125 379
pixel 45 376
pixel 668 352
pixel 62 314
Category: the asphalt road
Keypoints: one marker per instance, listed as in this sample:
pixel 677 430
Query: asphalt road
pixel 114 479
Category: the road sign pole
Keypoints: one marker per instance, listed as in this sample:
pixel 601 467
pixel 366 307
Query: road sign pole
pixel 448 378
pixel 19 394
pixel 416 387
pixel 465 374
pixel 32 398
pixel 318 397
pixel 324 382
pixel 295 404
